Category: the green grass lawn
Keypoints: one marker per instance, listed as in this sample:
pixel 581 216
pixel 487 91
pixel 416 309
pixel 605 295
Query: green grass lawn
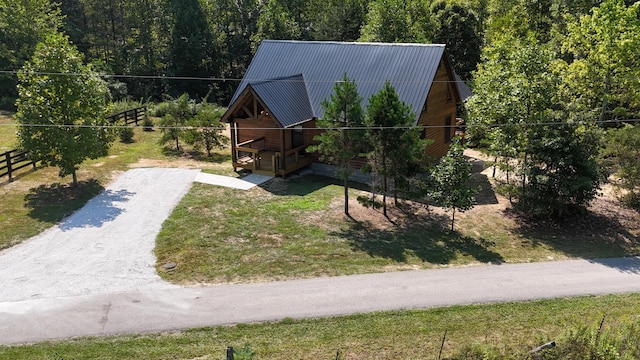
pixel 502 330
pixel 295 228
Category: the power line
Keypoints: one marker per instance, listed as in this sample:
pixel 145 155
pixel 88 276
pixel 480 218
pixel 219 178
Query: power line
pixel 222 79
pixel 466 126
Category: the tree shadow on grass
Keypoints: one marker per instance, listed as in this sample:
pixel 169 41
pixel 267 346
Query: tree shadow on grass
pixel 298 185
pixel 52 203
pixel 588 235
pixel 425 236
pixel 196 155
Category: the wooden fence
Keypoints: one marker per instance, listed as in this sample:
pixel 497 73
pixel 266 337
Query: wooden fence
pixel 131 116
pixel 14 160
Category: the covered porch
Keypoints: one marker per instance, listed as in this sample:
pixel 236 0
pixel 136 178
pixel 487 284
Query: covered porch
pixel 255 156
pixel 271 125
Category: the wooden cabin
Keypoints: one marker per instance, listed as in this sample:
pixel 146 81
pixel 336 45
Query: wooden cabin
pixel 273 112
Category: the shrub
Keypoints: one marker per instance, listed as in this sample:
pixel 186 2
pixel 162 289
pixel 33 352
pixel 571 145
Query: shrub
pixel 126 134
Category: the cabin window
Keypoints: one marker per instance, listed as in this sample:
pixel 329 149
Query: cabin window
pixel 449 96
pixel 447 129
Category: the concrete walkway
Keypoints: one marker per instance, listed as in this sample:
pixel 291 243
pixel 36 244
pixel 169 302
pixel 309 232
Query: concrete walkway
pixel 244 183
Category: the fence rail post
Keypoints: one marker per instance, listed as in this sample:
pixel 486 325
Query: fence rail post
pixel 8 156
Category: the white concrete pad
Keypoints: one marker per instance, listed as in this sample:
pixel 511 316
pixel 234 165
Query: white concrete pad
pixel 244 183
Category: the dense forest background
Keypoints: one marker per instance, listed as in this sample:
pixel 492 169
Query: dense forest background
pixel 168 47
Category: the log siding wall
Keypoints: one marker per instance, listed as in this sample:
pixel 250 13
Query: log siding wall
pixel 440 109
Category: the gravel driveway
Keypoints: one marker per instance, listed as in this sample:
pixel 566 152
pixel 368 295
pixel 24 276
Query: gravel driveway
pixel 105 247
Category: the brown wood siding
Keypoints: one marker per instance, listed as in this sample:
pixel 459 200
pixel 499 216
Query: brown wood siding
pixel 255 128
pixel 441 104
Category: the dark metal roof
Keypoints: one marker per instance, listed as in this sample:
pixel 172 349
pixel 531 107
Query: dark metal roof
pixel 464 90
pixel 410 68
pixel 286 98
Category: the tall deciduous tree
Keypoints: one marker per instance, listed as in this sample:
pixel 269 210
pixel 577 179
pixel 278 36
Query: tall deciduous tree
pixel 275 22
pixel 61 107
pixel 342 141
pixel 459 28
pixel 337 20
pixel 603 70
pixel 451 176
pixel 397 21
pixel 517 92
pixel 23 24
pixel 192 51
pixel 623 148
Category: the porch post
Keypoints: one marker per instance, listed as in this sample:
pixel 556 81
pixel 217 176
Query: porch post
pixel 232 131
pixel 283 157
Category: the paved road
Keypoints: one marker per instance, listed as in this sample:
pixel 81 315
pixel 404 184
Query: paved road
pixel 94 274
pixel 149 310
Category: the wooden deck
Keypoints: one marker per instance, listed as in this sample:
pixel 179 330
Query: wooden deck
pixel 267 162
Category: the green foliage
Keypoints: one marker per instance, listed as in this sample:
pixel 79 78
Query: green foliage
pixel 459 28
pixel 450 177
pixel 126 134
pixel 208 129
pixel 342 141
pixel 548 168
pixel 275 22
pixel 192 52
pixel 602 68
pixel 173 123
pixel 197 124
pixel 147 123
pixel 244 353
pixel 561 169
pixel 623 149
pixel 398 152
pixel 397 21
pixel 62 117
pixel 24 24
pixel 337 20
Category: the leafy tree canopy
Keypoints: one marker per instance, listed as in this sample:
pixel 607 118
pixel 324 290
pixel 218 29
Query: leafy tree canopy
pixel 450 177
pixel 61 107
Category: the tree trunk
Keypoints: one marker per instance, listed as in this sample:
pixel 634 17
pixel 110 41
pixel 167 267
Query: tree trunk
pixel 75 179
pixel 384 185
pixel 453 218
pixel 346 196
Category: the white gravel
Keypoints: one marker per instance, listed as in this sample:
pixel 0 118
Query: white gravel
pixel 105 247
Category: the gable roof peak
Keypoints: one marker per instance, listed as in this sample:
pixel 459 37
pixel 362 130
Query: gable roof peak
pixel 351 43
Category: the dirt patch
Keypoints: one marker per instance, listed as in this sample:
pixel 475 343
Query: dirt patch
pixel 605 216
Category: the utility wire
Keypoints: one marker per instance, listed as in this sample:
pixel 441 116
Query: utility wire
pixel 195 78
pixel 465 126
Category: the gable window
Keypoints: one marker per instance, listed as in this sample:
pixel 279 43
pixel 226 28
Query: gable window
pixel 447 129
pixel 449 96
